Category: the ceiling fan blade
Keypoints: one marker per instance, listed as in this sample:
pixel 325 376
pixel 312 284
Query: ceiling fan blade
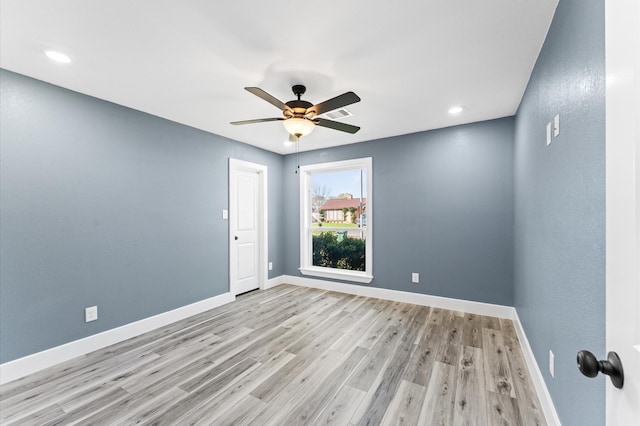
pixel 335 103
pixel 257 120
pixel 336 125
pixel 267 97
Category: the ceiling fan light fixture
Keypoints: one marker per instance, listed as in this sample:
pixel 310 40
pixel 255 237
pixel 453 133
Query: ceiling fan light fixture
pixel 299 126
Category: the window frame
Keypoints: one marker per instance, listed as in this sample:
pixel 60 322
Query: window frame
pixel 306 251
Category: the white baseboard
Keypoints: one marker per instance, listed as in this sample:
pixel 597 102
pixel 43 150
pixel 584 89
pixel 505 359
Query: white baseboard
pixel 273 282
pixel 29 364
pixel 478 308
pixel 536 375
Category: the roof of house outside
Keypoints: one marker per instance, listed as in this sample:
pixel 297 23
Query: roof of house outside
pixel 340 203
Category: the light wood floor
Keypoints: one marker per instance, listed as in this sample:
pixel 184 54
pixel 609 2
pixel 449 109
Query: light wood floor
pixel 293 356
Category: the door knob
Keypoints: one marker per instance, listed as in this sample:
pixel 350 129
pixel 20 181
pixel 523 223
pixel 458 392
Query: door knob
pixel 589 365
pixel 235 238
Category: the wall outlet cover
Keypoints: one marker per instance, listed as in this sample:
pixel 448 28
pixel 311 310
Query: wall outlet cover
pixel 415 277
pixel 90 314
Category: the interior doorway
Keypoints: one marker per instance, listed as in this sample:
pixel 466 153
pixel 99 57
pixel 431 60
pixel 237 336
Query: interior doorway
pixel 247 226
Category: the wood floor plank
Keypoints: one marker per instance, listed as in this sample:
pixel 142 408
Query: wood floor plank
pixel 449 349
pixel 490 322
pixel 31 400
pixel 472 331
pixel 309 407
pixel 154 409
pixel 503 410
pixel 341 408
pixel 41 416
pixel 440 396
pixel 243 413
pixel 360 328
pixel 299 386
pixel 423 358
pixel 470 407
pixel 109 399
pixel 394 370
pixel 497 372
pixel 215 408
pixel 406 405
pixel 292 355
pixel 182 407
pixel 377 358
pixel 220 367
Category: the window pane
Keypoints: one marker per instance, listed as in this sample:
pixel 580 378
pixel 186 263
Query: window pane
pixel 337 197
pixel 339 249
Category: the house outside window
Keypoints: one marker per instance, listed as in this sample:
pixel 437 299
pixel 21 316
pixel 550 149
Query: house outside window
pixel 336 235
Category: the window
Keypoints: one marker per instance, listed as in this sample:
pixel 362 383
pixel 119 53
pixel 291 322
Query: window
pixel 335 220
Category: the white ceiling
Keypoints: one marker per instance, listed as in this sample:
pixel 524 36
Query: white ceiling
pixel 189 60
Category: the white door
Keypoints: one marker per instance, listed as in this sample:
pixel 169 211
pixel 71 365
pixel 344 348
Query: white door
pixel 623 206
pixel 247 226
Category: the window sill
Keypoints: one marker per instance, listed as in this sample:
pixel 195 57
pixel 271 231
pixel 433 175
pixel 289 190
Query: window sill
pixel 338 274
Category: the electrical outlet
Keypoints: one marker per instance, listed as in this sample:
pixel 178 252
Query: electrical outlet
pixel 549 133
pixel 552 364
pixel 270 266
pixel 415 277
pixel 90 314
pixel 225 214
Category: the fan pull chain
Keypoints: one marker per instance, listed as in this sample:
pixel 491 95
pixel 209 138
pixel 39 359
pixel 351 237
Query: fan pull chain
pixel 297 156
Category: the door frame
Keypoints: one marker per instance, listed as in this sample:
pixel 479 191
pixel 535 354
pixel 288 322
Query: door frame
pixel 622 43
pixel 235 166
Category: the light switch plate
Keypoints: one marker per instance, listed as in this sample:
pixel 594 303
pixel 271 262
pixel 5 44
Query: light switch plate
pixel 549 133
pixel 225 214
pixel 415 277
pixel 552 364
pixel 556 125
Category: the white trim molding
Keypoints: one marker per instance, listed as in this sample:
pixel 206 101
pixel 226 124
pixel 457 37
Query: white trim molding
pixel 306 254
pixel 33 363
pixel 274 282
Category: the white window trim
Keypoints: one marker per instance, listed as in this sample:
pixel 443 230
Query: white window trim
pixel 306 261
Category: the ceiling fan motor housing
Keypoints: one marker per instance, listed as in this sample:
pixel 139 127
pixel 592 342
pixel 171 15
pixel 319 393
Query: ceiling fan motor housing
pixel 298 109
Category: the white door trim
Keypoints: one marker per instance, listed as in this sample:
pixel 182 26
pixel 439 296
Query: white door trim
pixel 263 237
pixel 622 35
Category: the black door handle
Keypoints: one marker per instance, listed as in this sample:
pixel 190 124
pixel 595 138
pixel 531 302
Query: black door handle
pixel 589 365
pixel 235 238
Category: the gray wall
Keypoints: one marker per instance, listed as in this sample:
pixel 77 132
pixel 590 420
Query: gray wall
pixel 443 208
pixel 560 208
pixel 103 205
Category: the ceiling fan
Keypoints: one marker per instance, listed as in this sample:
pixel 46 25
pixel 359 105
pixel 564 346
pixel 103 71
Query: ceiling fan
pixel 301 117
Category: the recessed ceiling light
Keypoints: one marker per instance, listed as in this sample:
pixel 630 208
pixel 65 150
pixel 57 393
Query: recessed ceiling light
pixel 57 56
pixel 455 110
